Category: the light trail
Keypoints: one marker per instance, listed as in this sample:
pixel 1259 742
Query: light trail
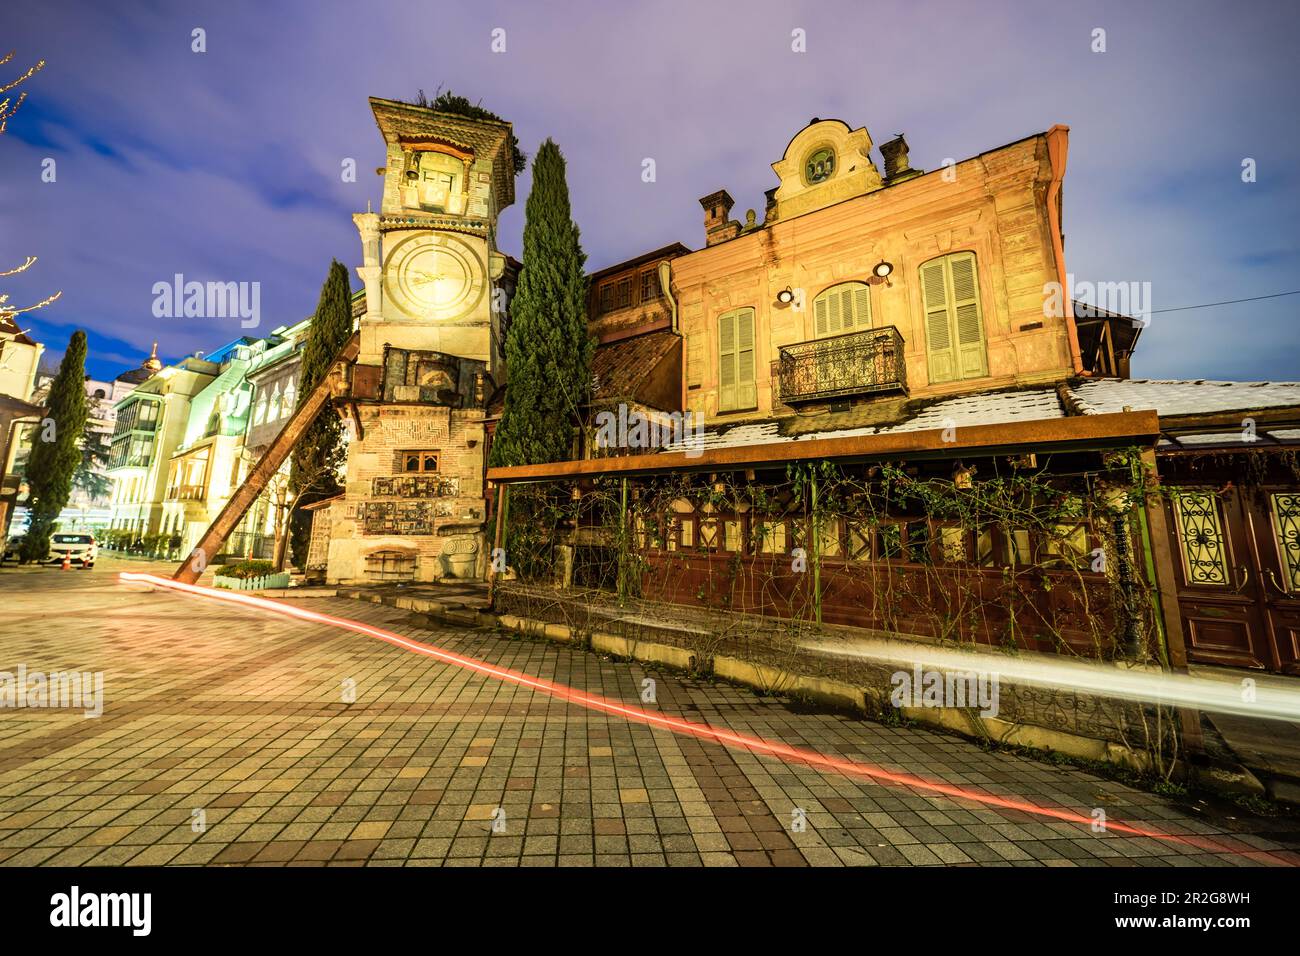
pixel 1272 702
pixel 721 736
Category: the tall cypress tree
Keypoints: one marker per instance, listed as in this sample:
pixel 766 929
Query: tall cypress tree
pixel 56 449
pixel 319 454
pixel 548 347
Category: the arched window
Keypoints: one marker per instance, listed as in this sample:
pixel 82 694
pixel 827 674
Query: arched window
pixel 259 413
pixel 289 394
pixel 954 321
pixel 273 411
pixel 842 308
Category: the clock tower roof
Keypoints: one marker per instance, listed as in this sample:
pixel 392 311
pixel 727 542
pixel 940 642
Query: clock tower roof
pixel 410 126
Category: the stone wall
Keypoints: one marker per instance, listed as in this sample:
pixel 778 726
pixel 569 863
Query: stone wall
pixel 445 538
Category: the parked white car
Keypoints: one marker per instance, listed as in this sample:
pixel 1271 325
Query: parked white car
pixel 79 549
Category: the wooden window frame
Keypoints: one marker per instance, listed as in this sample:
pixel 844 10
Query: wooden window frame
pixel 649 290
pixel 421 453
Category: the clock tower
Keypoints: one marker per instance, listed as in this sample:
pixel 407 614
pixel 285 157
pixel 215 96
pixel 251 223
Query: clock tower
pixel 431 350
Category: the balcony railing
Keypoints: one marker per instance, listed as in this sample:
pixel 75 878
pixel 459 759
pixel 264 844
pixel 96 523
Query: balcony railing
pixel 185 493
pixel 854 363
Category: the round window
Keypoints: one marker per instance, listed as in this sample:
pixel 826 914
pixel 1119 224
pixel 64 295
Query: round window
pixel 819 166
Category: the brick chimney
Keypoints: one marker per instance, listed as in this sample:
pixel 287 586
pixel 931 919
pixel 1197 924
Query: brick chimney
pixel 897 168
pixel 718 226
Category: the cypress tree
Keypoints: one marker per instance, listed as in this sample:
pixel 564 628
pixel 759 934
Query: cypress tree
pixel 548 348
pixel 56 449
pixel 319 453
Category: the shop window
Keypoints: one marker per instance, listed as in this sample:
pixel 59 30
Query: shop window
pixel 682 534
pixel 769 536
pixel 828 537
pixel 889 542
pixel 1067 545
pixel 953 544
pixel 858 539
pixel 1017 549
pixel 731 536
pixel 918 542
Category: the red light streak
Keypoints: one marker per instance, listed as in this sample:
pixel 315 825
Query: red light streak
pixel 726 738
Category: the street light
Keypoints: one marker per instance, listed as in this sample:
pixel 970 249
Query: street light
pixel 883 269
pixel 785 296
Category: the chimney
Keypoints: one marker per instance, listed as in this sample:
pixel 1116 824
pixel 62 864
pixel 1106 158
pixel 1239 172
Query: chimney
pixel 718 226
pixel 896 165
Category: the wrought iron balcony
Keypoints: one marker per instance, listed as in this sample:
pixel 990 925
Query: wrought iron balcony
pixel 854 363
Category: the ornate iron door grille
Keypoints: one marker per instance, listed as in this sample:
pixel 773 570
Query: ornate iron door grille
pixel 1201 537
pixel 1286 523
pixel 850 364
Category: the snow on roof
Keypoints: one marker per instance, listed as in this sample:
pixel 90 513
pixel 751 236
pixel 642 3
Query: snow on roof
pixel 986 408
pixel 1099 397
pixel 1183 397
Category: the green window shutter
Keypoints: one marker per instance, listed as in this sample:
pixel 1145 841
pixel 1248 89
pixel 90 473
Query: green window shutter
pixel 842 308
pixel 845 297
pixel 727 361
pixel 861 307
pixel 746 394
pixel 938 325
pixel 972 358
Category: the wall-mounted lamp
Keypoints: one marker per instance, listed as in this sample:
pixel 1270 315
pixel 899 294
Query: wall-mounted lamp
pixel 785 296
pixel 962 476
pixel 883 269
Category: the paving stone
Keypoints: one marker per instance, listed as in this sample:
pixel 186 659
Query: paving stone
pixel 240 719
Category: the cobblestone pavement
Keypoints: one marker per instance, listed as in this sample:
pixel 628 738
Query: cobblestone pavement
pixel 225 740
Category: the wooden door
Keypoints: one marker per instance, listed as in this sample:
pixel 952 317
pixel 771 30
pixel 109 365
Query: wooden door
pixel 1274 518
pixel 1220 591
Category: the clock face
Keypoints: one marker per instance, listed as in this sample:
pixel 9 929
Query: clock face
pixel 433 277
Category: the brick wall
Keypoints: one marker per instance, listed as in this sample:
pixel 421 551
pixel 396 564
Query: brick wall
pixel 448 523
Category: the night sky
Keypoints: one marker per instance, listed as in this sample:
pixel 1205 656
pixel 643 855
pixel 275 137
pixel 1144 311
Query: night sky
pixel 226 165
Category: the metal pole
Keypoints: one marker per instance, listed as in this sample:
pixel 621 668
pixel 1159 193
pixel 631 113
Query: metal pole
pixel 499 539
pixel 817 554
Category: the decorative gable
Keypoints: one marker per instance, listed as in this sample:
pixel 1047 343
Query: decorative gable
pixel 825 163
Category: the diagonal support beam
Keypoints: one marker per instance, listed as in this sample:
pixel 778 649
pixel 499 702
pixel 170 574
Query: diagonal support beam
pixel 332 385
